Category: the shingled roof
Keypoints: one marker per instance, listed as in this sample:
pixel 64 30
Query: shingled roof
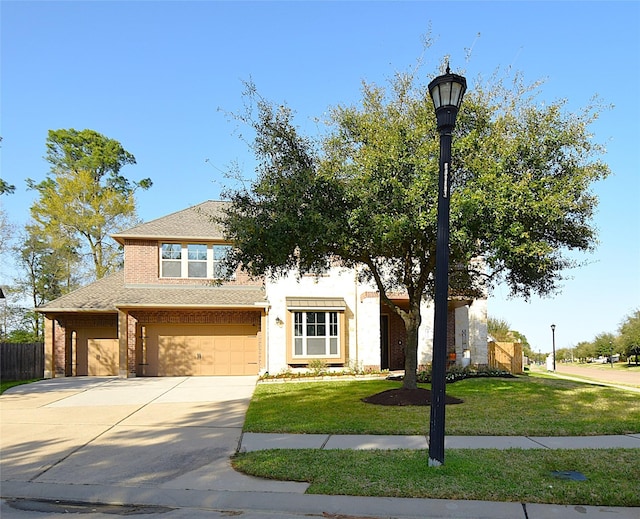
pixel 193 223
pixel 110 293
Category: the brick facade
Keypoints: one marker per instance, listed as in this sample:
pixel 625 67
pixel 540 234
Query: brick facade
pixel 141 267
pixel 63 329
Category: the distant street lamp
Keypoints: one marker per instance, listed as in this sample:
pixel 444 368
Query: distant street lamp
pixel 553 340
pixel 447 92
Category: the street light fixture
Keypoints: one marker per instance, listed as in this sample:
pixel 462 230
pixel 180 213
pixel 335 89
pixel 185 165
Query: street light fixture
pixel 447 92
pixel 553 341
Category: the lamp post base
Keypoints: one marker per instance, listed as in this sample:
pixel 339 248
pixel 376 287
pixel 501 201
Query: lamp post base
pixel 434 462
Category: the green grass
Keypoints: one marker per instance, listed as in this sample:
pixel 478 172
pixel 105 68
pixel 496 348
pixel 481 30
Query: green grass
pixel 526 405
pixel 6 384
pixel 485 474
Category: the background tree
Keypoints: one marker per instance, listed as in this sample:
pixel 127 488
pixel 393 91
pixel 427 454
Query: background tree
pixel 604 344
pixel 6 231
pixel 6 187
pixel 584 350
pixel 48 271
pixel 85 198
pixel 629 338
pixel 365 194
pixel 499 329
pixel 6 228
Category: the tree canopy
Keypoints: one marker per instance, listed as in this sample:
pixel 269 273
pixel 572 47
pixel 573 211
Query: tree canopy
pixel 365 193
pixel 85 197
pixel 629 338
pixel 6 188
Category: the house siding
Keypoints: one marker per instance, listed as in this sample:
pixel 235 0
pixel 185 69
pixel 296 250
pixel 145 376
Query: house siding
pixel 141 267
pixel 69 335
pixel 116 304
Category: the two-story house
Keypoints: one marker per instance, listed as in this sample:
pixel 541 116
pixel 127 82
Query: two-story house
pixel 173 310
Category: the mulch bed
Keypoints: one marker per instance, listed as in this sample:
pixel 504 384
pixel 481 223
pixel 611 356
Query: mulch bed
pixel 403 396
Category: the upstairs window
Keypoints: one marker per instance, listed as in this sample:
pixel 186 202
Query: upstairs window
pixel 197 260
pixel 220 271
pixel 194 260
pixel 171 260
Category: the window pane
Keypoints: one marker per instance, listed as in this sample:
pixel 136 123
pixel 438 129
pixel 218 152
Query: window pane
pixel 311 317
pixel 333 346
pixel 219 254
pixel 197 269
pixel 333 324
pixel 171 251
pixel 197 252
pixel 311 330
pixel 298 347
pixel 316 346
pixel 297 326
pixel 321 317
pixel 220 251
pixel 321 330
pixel 170 269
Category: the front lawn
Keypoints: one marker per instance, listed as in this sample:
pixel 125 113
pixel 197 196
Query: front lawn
pixel 485 474
pixel 525 405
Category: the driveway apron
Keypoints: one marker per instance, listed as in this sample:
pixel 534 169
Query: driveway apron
pixel 174 433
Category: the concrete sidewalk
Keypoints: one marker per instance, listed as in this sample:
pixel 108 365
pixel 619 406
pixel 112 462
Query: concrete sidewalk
pixel 261 441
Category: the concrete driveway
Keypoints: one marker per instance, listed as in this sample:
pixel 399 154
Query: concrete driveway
pixel 168 433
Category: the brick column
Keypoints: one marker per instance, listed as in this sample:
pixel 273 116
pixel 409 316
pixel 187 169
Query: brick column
pixel 49 370
pixel 123 339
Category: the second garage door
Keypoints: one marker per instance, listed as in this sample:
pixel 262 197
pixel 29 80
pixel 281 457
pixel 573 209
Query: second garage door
pixel 201 350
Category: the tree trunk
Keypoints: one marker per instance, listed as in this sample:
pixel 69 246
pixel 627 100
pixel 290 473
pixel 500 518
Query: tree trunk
pixel 411 323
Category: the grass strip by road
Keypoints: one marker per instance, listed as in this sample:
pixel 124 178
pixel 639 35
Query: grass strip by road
pixel 512 475
pixel 7 384
pixel 522 406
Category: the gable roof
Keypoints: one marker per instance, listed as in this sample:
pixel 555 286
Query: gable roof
pixel 193 223
pixel 111 293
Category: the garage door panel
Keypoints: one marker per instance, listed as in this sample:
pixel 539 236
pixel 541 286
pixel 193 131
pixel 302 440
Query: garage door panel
pixel 103 357
pixel 201 350
pixel 174 356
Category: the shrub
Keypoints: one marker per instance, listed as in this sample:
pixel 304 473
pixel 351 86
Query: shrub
pixel 455 373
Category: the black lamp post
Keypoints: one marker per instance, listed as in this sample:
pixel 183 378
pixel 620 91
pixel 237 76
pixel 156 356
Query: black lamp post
pixel 553 342
pixel 3 330
pixel 447 92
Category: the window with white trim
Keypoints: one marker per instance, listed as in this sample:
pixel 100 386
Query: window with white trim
pixel 316 334
pixel 194 260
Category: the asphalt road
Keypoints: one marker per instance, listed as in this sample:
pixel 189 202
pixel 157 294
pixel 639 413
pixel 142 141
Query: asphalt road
pixel 603 373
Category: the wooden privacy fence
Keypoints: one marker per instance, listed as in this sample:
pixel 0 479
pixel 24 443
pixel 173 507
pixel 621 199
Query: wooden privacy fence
pixel 506 355
pixel 21 361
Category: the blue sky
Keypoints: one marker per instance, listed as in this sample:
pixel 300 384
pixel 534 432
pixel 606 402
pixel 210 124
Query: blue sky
pixel 153 75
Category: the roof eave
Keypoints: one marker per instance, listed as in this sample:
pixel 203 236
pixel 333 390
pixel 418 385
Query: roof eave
pixel 76 310
pixel 120 238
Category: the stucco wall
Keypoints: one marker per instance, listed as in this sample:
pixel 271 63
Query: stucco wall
pixel 336 283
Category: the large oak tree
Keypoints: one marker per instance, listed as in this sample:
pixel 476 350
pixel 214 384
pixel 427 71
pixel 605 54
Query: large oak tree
pixel 365 193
